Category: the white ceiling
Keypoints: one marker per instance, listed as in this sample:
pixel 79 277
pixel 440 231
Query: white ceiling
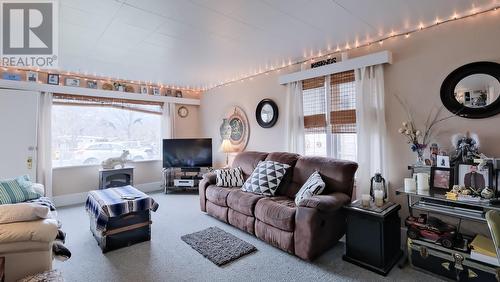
pixel 197 43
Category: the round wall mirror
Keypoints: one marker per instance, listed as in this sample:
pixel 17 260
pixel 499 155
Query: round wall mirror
pixel 473 90
pixel 266 113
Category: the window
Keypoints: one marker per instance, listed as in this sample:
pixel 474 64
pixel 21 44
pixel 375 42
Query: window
pixel 87 131
pixel 330 116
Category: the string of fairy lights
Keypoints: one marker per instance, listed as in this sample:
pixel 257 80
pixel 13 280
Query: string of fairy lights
pixel 268 69
pixel 355 45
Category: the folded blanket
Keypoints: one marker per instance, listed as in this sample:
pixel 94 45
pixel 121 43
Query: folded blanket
pixel 44 201
pixel 112 202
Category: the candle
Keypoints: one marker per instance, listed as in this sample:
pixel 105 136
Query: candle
pixel 410 185
pixel 422 182
pixel 379 198
pixel 365 200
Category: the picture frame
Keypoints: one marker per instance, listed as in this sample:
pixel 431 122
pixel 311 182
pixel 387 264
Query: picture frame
pixel 178 94
pixel 144 89
pixel 32 76
pixel 11 76
pixel 156 91
pixel 74 82
pixel 468 174
pixel 92 84
pixel 441 179
pixel 443 161
pixel 53 79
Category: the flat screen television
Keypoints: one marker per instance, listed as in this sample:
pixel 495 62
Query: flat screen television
pixel 186 153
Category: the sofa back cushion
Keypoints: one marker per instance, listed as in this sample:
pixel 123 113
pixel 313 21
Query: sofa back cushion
pixel 284 158
pixel 248 161
pixel 338 175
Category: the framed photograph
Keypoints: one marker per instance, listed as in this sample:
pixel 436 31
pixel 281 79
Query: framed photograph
pixel 32 76
pixel 144 89
pixel 11 76
pixel 92 84
pixel 178 94
pixel 441 179
pixel 75 82
pixel 442 161
pixel 169 92
pixel 156 91
pixel 470 176
pixel 53 79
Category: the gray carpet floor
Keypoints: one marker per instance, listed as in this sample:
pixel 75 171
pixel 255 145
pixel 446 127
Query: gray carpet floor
pixel 167 258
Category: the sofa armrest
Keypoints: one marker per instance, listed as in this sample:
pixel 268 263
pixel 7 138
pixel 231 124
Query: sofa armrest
pixel 208 179
pixel 329 202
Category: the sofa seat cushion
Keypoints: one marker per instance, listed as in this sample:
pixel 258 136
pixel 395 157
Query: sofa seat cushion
pixel 218 195
pixel 243 202
pixel 277 211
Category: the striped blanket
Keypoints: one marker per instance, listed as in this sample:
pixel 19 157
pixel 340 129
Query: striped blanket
pixel 112 202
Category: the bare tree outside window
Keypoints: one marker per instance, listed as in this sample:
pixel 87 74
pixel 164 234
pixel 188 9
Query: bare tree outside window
pixel 86 135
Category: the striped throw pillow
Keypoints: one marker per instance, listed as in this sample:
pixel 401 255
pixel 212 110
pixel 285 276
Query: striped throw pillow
pixel 314 185
pixel 232 177
pixel 11 192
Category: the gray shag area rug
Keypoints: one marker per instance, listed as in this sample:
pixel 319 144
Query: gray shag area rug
pixel 217 245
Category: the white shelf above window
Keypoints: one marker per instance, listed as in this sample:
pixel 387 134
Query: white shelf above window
pixel 34 86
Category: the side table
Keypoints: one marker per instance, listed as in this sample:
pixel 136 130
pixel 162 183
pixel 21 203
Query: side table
pixel 373 237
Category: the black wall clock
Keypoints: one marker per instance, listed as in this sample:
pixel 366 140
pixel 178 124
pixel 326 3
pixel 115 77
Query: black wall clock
pixel 267 113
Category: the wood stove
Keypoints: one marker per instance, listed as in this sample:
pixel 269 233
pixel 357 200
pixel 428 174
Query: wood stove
pixel 119 177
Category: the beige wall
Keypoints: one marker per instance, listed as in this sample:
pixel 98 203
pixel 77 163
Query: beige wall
pixel 80 179
pixel 421 63
pixel 217 103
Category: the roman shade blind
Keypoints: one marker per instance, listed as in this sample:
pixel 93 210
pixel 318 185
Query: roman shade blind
pixel 343 102
pixel 314 104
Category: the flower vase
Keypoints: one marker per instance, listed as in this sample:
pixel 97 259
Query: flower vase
pixel 420 157
pixel 419 150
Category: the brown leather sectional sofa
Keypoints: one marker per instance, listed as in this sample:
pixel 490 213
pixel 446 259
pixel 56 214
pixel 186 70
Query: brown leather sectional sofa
pixel 307 230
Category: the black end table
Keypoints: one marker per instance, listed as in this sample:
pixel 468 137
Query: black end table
pixel 373 237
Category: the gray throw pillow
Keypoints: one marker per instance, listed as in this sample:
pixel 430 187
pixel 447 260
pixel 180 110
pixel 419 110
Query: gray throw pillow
pixel 314 185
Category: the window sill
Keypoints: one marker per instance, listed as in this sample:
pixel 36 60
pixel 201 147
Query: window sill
pixel 99 165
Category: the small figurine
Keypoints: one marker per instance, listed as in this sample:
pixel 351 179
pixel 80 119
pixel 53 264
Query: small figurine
pixel 110 163
pixel 487 193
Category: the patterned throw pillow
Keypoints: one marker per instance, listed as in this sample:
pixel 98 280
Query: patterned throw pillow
pixel 313 186
pixel 231 177
pixel 11 192
pixel 265 178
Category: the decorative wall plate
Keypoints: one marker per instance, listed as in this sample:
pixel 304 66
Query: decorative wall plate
pixel 235 127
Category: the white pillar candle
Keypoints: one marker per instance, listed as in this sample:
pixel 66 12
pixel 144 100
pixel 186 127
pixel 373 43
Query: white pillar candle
pixel 422 182
pixel 379 197
pixel 365 200
pixel 410 185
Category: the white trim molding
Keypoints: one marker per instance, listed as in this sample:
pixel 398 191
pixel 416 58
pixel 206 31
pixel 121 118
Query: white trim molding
pixel 80 198
pixel 41 87
pixel 350 64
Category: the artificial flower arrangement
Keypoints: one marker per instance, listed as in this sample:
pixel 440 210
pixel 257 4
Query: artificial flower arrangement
pixel 419 139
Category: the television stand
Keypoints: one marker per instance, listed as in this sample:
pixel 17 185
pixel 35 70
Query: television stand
pixel 185 179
